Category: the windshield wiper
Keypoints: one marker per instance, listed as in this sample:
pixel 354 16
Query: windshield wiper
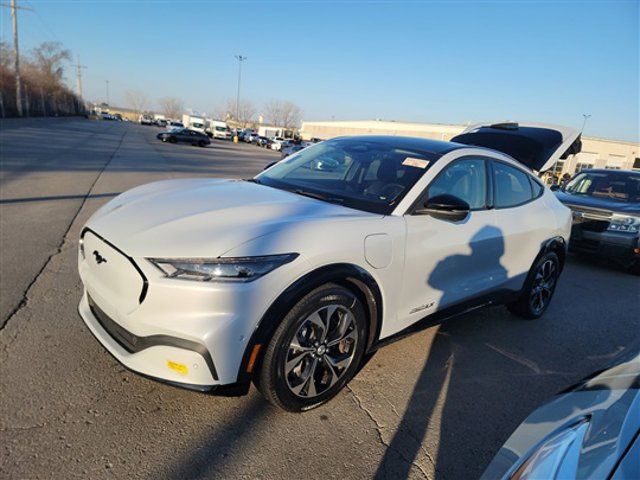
pixel 318 196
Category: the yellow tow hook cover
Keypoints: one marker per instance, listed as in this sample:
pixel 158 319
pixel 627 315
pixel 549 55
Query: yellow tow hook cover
pixel 181 368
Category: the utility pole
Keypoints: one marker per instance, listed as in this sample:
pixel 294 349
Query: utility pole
pixel 16 51
pixel 107 83
pixel 79 76
pixel 240 59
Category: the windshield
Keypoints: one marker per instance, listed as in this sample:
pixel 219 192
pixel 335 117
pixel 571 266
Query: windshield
pixel 197 125
pixel 368 175
pixel 620 186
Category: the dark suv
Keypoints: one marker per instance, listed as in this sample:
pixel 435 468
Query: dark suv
pixel 606 214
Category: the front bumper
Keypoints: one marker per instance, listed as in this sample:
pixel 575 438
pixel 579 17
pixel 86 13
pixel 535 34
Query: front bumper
pixel 619 246
pixel 190 333
pixel 171 359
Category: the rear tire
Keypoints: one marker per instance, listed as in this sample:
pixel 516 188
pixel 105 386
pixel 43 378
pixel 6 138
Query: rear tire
pixel 173 140
pixel 315 350
pixel 539 288
pixel 202 143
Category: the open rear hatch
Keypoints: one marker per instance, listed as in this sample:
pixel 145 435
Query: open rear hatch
pixel 537 146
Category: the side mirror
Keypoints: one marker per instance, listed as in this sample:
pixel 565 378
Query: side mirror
pixel 445 207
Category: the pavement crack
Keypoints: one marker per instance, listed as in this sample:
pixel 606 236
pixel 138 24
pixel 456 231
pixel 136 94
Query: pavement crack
pixel 379 427
pixel 25 297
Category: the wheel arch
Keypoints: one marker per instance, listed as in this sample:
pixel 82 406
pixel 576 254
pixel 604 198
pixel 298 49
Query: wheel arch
pixel 350 276
pixel 558 245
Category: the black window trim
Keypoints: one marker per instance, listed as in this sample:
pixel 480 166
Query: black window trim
pixel 532 198
pixel 488 198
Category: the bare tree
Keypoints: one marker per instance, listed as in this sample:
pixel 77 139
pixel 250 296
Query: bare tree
pixel 246 113
pixel 172 107
pixel 137 100
pixel 47 59
pixel 291 115
pixel 283 113
pixel 223 112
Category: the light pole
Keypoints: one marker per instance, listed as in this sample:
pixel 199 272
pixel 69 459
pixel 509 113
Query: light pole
pixel 240 59
pixel 584 122
pixel 107 84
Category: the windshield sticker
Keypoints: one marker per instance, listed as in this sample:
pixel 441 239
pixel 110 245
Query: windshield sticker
pixel 415 162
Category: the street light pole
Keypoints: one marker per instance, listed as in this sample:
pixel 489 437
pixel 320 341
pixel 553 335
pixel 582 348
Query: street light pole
pixel 240 59
pixel 107 82
pixel 584 122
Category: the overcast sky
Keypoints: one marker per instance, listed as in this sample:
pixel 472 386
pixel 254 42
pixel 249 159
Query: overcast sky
pixel 443 62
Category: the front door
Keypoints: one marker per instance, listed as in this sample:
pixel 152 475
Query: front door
pixel 447 261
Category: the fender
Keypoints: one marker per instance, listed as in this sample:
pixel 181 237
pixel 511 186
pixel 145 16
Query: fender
pixel 558 245
pixel 348 275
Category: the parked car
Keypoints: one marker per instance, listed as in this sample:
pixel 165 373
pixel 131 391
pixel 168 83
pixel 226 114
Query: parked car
pixel 606 214
pixel 263 142
pixel 292 277
pixel 253 137
pixel 589 432
pixel 145 119
pixel 277 143
pixel 185 135
pixel 173 125
pixel 291 148
pixel 161 122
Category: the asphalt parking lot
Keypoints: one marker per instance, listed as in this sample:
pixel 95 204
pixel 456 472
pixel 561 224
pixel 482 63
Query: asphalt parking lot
pixel 436 405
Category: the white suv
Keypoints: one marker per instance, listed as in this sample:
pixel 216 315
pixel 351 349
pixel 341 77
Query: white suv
pixel 290 278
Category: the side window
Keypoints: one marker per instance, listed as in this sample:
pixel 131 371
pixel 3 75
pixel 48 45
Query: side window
pixel 536 188
pixel 465 179
pixel 511 186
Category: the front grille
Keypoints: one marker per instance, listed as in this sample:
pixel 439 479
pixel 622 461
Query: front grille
pixel 594 225
pixel 125 339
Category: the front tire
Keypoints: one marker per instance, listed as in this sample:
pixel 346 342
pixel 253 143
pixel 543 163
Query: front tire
pixel 315 350
pixel 538 289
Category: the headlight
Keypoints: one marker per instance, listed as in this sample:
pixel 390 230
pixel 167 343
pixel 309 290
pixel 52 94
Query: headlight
pixel 242 269
pixel 556 457
pixel 623 223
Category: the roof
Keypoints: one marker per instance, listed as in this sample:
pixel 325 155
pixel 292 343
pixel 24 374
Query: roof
pixel 437 147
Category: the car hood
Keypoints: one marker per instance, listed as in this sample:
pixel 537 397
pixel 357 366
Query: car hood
pixel 598 203
pixel 603 415
pixel 203 217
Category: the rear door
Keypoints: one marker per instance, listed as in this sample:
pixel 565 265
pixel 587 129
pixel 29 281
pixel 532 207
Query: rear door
pixel 536 146
pixel 521 216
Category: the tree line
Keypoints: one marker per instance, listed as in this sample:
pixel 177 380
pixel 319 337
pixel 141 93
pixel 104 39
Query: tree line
pixel 42 80
pixel 245 114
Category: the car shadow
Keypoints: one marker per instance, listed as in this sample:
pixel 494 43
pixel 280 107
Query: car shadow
pixel 464 397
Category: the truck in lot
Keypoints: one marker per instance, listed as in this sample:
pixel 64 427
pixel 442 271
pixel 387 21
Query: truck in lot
pixel 218 129
pixel 145 119
pixel 194 122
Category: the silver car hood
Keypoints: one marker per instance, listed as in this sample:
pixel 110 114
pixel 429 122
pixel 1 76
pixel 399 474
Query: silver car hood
pixel 607 408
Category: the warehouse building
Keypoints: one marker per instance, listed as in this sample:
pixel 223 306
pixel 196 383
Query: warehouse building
pixel 596 152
